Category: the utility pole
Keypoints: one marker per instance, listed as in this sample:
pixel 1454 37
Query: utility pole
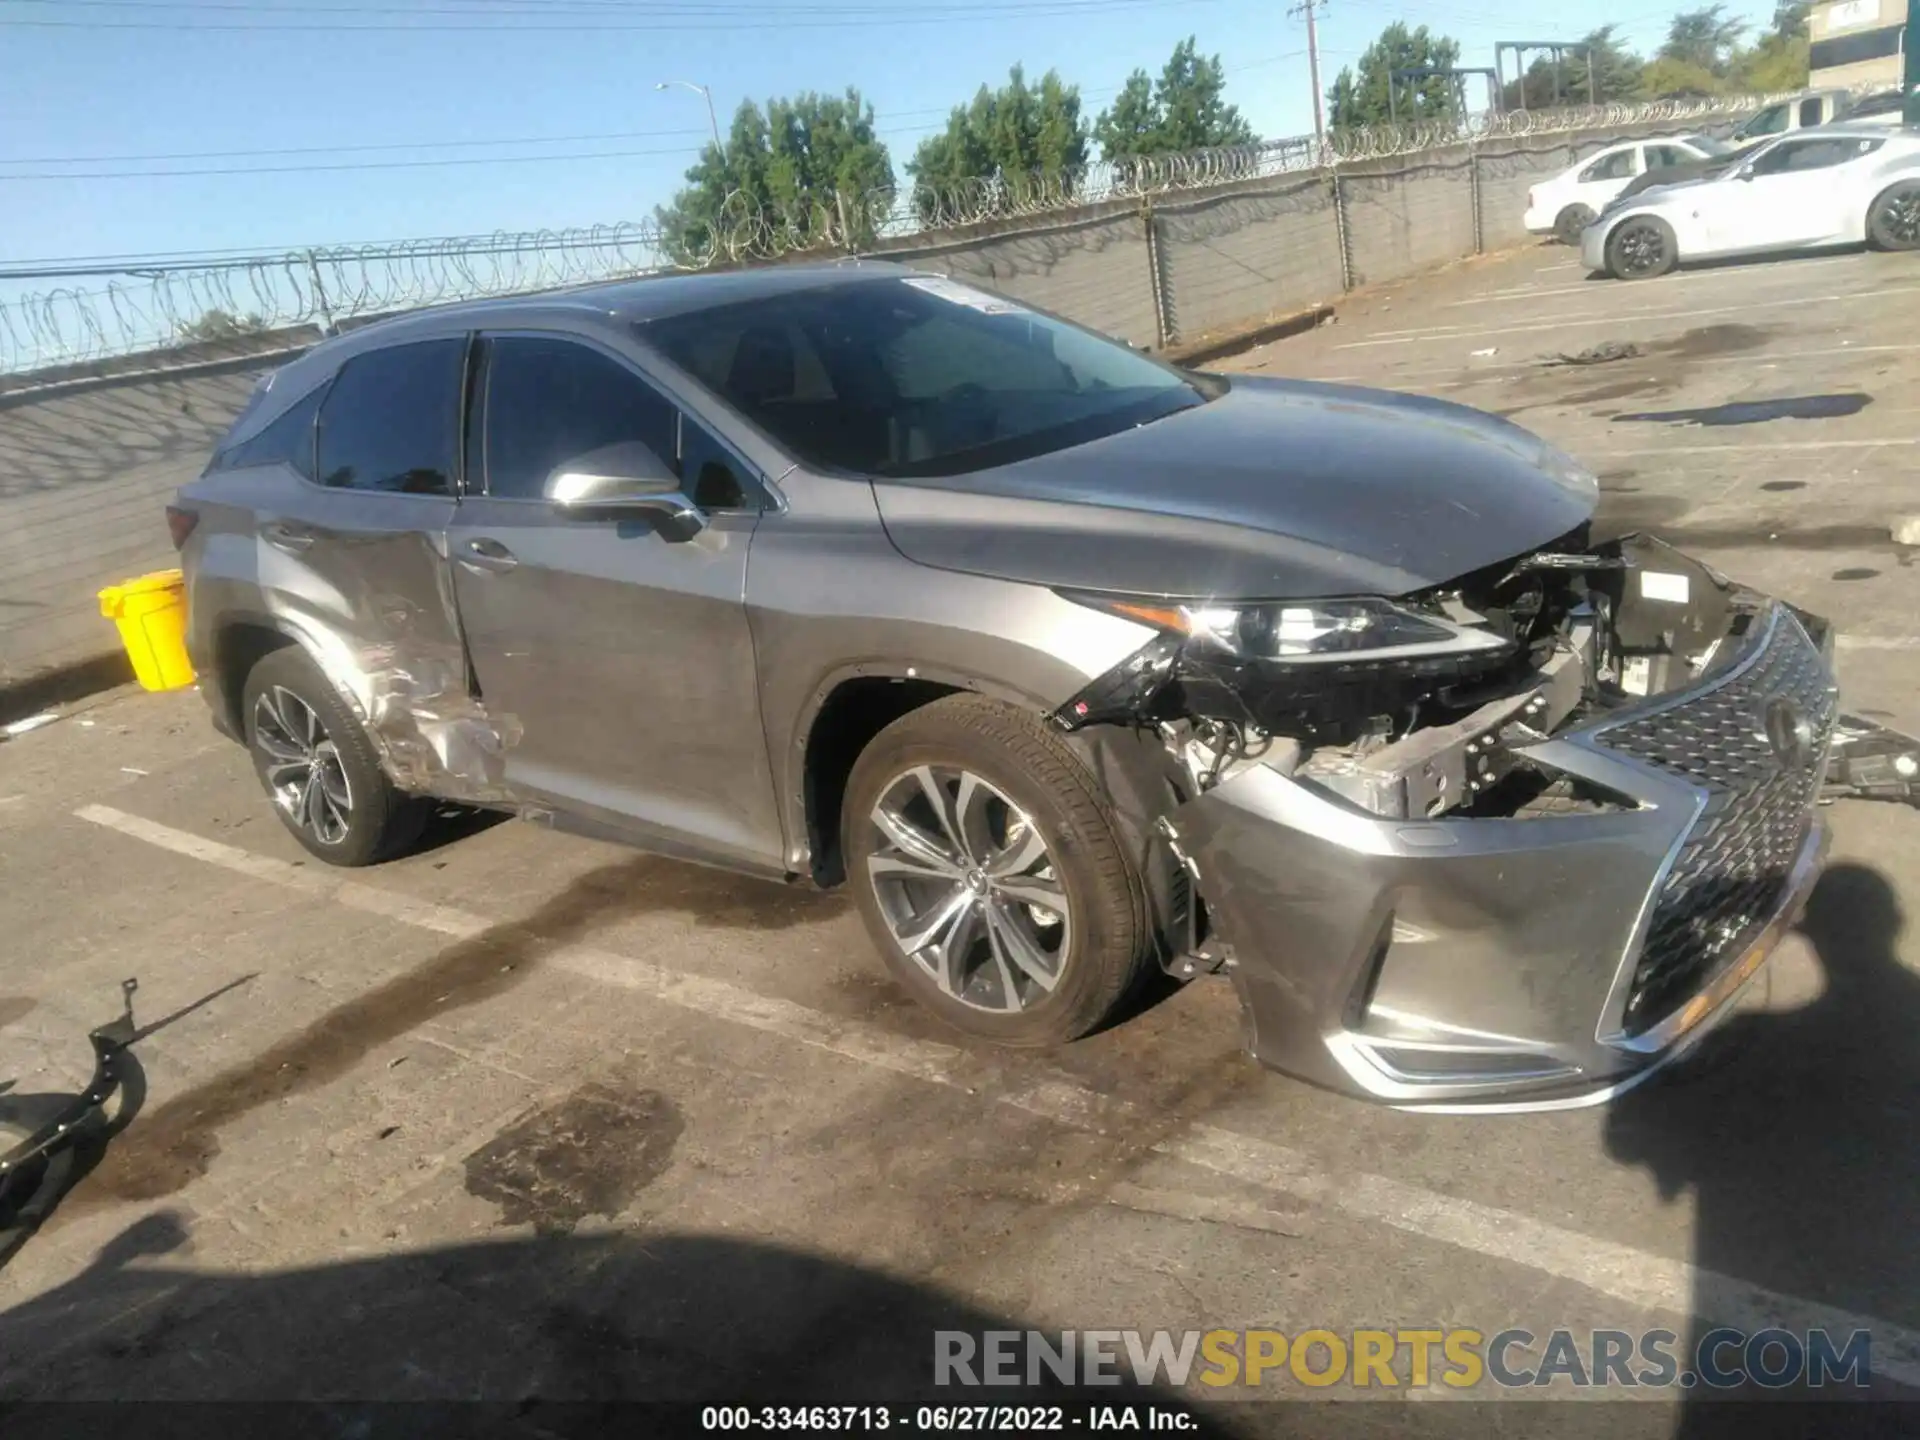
pixel 1307 8
pixel 705 94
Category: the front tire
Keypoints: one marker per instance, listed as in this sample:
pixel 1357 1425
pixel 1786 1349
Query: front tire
pixel 1893 222
pixel 319 768
pixel 1642 248
pixel 1572 223
pixel 990 875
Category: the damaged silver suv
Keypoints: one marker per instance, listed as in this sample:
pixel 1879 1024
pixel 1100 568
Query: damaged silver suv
pixel 1071 664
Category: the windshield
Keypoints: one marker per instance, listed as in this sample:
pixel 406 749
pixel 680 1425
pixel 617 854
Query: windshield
pixel 1770 121
pixel 917 375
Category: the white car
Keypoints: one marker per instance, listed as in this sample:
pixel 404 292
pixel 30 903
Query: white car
pixel 1838 185
pixel 1565 205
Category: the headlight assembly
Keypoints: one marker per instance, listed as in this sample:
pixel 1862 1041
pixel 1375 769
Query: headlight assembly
pixel 1305 632
pixel 1321 670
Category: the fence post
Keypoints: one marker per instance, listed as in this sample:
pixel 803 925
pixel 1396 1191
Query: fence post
pixel 1340 226
pixel 1473 185
pixel 320 296
pixel 1163 329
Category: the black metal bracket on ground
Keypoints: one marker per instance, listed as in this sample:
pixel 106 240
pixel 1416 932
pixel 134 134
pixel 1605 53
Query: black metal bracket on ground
pixel 1870 761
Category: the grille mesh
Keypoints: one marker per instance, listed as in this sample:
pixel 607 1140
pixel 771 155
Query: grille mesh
pixel 1728 878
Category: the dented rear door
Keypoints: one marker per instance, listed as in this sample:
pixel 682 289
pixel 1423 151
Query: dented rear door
pixel 355 564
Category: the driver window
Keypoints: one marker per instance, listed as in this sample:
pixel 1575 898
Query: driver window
pixel 551 399
pixel 1617 166
pixel 1771 121
pixel 1809 112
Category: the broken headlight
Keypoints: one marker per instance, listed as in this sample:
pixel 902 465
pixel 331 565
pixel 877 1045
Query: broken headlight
pixel 1306 632
pixel 1319 670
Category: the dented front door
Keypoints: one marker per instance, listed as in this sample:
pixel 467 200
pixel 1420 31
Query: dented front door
pixel 622 653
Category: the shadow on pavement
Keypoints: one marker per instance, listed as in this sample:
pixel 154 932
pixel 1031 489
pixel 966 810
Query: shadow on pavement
pixel 547 1332
pixel 1796 1135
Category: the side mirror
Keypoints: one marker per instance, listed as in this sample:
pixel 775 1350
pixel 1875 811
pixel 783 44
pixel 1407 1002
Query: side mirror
pixel 1745 172
pixel 625 478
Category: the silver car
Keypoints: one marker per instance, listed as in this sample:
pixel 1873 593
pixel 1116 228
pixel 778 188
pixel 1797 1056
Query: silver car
pixel 1834 185
pixel 1073 666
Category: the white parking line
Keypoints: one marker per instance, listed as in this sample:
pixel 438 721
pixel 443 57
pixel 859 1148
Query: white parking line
pixel 1680 278
pixel 1754 449
pixel 1621 317
pixel 1619 1272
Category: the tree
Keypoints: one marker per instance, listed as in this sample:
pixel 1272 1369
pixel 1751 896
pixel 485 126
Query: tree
pixel 1781 60
pixel 808 161
pixel 1011 132
pixel 1616 76
pixel 1669 79
pixel 1363 99
pixel 1704 38
pixel 1184 111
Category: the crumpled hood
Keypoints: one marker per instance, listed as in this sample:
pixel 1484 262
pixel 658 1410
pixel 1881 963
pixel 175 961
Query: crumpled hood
pixel 1276 490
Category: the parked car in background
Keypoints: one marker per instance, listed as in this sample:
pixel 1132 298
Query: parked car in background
pixel 1071 665
pixel 1814 109
pixel 1835 185
pixel 1565 205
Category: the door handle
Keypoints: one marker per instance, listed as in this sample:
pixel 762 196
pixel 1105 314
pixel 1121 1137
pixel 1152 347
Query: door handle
pixel 485 555
pixel 291 538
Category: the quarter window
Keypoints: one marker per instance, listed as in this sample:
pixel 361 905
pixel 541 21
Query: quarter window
pixel 392 420
pixel 285 441
pixel 551 400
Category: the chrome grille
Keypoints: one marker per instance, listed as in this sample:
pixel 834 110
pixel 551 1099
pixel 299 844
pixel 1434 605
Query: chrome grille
pixel 1728 878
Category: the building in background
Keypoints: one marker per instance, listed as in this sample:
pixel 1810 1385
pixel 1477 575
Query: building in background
pixel 1858 44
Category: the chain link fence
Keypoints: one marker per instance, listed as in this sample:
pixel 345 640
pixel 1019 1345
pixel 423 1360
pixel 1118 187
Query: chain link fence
pixel 112 393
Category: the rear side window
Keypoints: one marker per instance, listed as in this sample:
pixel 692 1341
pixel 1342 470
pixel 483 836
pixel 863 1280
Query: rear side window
pixel 392 420
pixel 285 441
pixel 552 400
pixel 1617 166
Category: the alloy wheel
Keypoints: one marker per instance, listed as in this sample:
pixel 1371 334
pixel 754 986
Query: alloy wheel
pixel 1901 219
pixel 969 889
pixel 1642 248
pixel 302 766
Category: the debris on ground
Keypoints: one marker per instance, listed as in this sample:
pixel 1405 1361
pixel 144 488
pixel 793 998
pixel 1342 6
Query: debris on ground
pixel 1483 354
pixel 32 722
pixel 1906 530
pixel 1604 353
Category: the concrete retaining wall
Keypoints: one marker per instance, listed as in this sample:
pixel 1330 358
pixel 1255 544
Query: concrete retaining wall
pixel 87 467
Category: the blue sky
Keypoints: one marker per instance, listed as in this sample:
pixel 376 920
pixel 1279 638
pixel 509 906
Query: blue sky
pixel 555 71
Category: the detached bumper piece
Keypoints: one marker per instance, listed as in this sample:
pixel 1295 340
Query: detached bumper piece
pixel 1872 762
pixel 1546 959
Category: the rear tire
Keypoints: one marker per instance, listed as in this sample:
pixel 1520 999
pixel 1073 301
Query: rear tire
pixel 319 768
pixel 1643 248
pixel 1048 934
pixel 1893 221
pixel 1573 223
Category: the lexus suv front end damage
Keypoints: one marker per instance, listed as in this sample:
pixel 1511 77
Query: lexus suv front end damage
pixel 1513 842
pixel 1066 662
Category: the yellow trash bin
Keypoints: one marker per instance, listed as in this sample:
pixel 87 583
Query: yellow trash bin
pixel 151 612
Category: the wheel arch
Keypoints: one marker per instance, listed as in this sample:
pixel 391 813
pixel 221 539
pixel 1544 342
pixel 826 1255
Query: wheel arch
pixel 848 708
pixel 1904 182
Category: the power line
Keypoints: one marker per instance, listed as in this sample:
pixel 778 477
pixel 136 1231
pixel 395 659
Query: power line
pixel 705 19
pixel 88 160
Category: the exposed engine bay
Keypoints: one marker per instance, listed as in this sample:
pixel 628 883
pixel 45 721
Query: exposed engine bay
pixel 1438 725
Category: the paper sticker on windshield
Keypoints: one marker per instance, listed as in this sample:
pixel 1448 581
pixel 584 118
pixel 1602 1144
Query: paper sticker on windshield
pixel 955 293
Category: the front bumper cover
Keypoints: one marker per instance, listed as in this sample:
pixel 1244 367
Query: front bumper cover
pixel 1486 963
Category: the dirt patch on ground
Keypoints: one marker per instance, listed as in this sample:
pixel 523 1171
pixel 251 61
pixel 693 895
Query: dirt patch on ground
pixel 588 1155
